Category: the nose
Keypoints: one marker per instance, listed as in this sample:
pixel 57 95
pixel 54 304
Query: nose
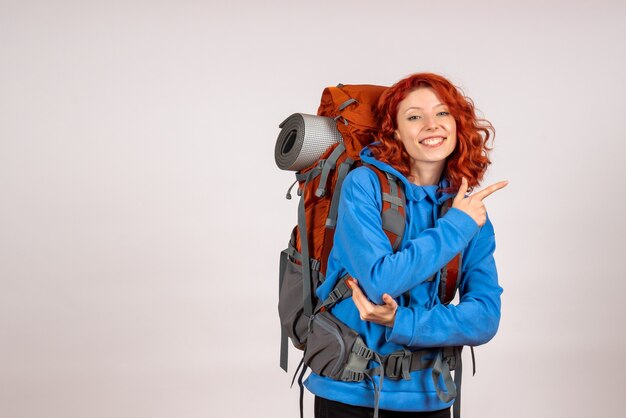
pixel 430 123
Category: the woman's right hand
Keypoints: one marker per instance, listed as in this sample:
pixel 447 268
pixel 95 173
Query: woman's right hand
pixel 379 314
pixel 473 205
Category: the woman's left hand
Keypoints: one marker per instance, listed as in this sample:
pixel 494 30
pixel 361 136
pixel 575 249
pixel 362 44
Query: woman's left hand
pixel 379 314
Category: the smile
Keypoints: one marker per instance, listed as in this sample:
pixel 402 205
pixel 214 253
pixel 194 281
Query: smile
pixel 432 141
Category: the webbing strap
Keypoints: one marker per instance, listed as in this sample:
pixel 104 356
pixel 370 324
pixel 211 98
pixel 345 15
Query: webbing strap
pixel 393 215
pixel 293 253
pixel 395 201
pixel 307 282
pixel 300 365
pixel 284 349
pixel 451 272
pixel 346 104
pixel 377 388
pixel 442 368
pixel 331 221
pixel 328 166
pixel 376 395
pixel 458 374
pixel 399 364
pixel 343 105
pixel 284 343
pixel 393 186
pixel 340 292
pixel 300 378
pixel 288 195
pixel 443 282
pixel 473 361
pixel 359 357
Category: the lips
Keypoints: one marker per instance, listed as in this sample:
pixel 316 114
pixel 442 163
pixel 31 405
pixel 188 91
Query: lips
pixel 432 141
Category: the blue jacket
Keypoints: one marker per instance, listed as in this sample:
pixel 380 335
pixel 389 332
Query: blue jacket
pixel 362 249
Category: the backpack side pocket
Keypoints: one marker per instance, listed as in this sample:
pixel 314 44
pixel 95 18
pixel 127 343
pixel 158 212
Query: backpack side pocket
pixel 329 345
pixel 290 304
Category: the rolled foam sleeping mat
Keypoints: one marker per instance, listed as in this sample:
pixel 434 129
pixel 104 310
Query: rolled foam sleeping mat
pixel 303 139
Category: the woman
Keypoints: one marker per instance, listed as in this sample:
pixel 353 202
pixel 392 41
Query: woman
pixel 431 140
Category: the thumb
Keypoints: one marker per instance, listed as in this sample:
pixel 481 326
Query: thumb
pixel 462 191
pixel 389 300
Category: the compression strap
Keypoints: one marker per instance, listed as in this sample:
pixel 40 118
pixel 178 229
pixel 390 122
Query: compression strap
pixel 307 282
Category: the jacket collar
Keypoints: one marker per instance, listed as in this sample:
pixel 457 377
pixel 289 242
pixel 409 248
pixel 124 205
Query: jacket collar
pixel 412 191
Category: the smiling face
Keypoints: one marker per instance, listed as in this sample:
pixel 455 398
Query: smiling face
pixel 427 130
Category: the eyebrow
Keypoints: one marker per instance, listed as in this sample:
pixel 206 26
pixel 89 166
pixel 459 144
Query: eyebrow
pixel 419 108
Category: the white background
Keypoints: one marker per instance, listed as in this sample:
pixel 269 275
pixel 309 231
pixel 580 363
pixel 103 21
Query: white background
pixel 142 214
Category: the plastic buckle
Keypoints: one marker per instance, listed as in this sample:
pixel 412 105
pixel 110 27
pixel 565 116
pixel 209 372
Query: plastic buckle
pixel 335 295
pixel 365 352
pixel 394 363
pixel 450 357
pixel 315 264
pixel 336 118
pixel 352 376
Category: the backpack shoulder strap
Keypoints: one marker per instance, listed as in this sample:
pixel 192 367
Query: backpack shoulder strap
pixel 394 202
pixel 394 222
pixel 451 272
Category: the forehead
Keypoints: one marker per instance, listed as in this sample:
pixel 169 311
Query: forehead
pixel 423 98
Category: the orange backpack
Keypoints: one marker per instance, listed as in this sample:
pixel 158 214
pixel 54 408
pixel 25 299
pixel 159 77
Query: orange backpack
pixel 350 109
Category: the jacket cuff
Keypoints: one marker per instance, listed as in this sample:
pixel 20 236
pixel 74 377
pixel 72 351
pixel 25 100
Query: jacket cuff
pixel 462 222
pixel 402 329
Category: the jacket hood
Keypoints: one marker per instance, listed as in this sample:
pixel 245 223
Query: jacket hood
pixel 412 191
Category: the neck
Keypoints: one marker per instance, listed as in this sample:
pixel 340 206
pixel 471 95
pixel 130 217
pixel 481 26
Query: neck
pixel 426 174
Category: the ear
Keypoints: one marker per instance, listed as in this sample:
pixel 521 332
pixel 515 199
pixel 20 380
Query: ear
pixel 396 135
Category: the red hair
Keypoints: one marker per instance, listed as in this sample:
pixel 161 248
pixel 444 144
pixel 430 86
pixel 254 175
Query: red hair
pixel 470 156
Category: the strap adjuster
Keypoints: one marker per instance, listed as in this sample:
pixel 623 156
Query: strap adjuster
pixel 315 264
pixel 335 295
pixel 352 376
pixel 450 356
pixel 364 352
pixel 397 365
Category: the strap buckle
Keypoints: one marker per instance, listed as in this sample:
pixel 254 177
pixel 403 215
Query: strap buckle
pixel 450 356
pixel 315 264
pixel 335 295
pixel 397 365
pixel 363 351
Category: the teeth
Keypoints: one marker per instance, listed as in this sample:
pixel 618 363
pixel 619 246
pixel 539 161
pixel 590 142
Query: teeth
pixel 432 141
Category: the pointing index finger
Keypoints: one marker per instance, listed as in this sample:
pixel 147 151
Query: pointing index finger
pixel 489 190
pixel 462 190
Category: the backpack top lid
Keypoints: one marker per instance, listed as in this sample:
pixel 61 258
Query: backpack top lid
pixel 355 106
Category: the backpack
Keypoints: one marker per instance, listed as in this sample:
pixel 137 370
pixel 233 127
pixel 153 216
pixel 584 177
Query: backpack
pixel 322 150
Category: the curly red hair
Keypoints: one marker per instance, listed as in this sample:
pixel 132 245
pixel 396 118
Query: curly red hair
pixel 470 156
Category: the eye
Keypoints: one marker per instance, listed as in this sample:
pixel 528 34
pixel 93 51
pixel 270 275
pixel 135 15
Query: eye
pixel 443 113
pixel 414 117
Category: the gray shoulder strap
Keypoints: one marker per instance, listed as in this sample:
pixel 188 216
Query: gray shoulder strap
pixel 328 165
pixel 344 168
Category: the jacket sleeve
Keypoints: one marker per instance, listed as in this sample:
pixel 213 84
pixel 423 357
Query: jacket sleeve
pixel 473 321
pixel 366 253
